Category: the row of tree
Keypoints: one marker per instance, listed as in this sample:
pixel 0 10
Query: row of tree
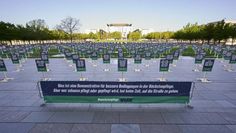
pixel 100 35
pixel 38 30
pixel 218 32
pixel 33 30
pixel 159 35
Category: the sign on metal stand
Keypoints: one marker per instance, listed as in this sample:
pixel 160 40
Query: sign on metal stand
pixel 81 67
pixel 122 67
pixel 16 60
pixel 106 60
pixel 207 67
pixel 3 69
pixel 137 61
pixel 42 67
pixel 231 62
pixel 198 62
pixel 164 67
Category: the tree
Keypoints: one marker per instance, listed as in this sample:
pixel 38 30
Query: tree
pixel 69 25
pixel 208 32
pixel 166 35
pixel 37 24
pixel 8 32
pixel 102 34
pixel 92 35
pixel 115 35
pixel 232 32
pixel 135 35
pixel 218 31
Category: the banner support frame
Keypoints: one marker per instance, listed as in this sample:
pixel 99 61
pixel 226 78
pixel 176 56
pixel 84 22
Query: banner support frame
pixel 40 93
pixel 191 96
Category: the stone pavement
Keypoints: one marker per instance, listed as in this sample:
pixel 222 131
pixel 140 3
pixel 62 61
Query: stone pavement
pixel 214 103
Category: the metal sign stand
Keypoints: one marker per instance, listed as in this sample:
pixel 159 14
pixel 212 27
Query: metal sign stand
pixel 229 68
pixel 94 64
pixel 19 67
pixel 191 96
pixel 196 68
pixel 174 63
pixel 137 69
pixel 38 86
pixel 5 79
pixel 81 77
pixel 106 69
pixel 44 78
pixel 162 77
pixel 204 79
pixel 70 63
pixel 122 79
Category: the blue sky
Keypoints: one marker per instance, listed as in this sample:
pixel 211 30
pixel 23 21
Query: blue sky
pixel 159 15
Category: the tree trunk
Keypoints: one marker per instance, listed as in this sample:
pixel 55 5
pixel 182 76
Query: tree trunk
pixel 70 38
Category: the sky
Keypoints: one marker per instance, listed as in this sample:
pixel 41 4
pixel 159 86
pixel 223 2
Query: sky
pixel 158 15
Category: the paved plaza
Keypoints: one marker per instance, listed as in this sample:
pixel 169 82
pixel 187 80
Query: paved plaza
pixel 214 103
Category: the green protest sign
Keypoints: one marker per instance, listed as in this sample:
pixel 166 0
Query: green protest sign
pixel 164 65
pixel 232 59
pixel 198 59
pixel 94 56
pixel 122 65
pixel 44 57
pixel 41 65
pixel 75 57
pixel 106 58
pixel 137 59
pixel 2 66
pixel 80 65
pixel 15 59
pixel 208 65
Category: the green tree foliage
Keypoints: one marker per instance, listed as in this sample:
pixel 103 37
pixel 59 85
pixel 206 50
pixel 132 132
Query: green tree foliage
pixel 115 35
pixel 135 35
pixel 159 35
pixel 215 32
pixel 218 32
pixel 102 35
